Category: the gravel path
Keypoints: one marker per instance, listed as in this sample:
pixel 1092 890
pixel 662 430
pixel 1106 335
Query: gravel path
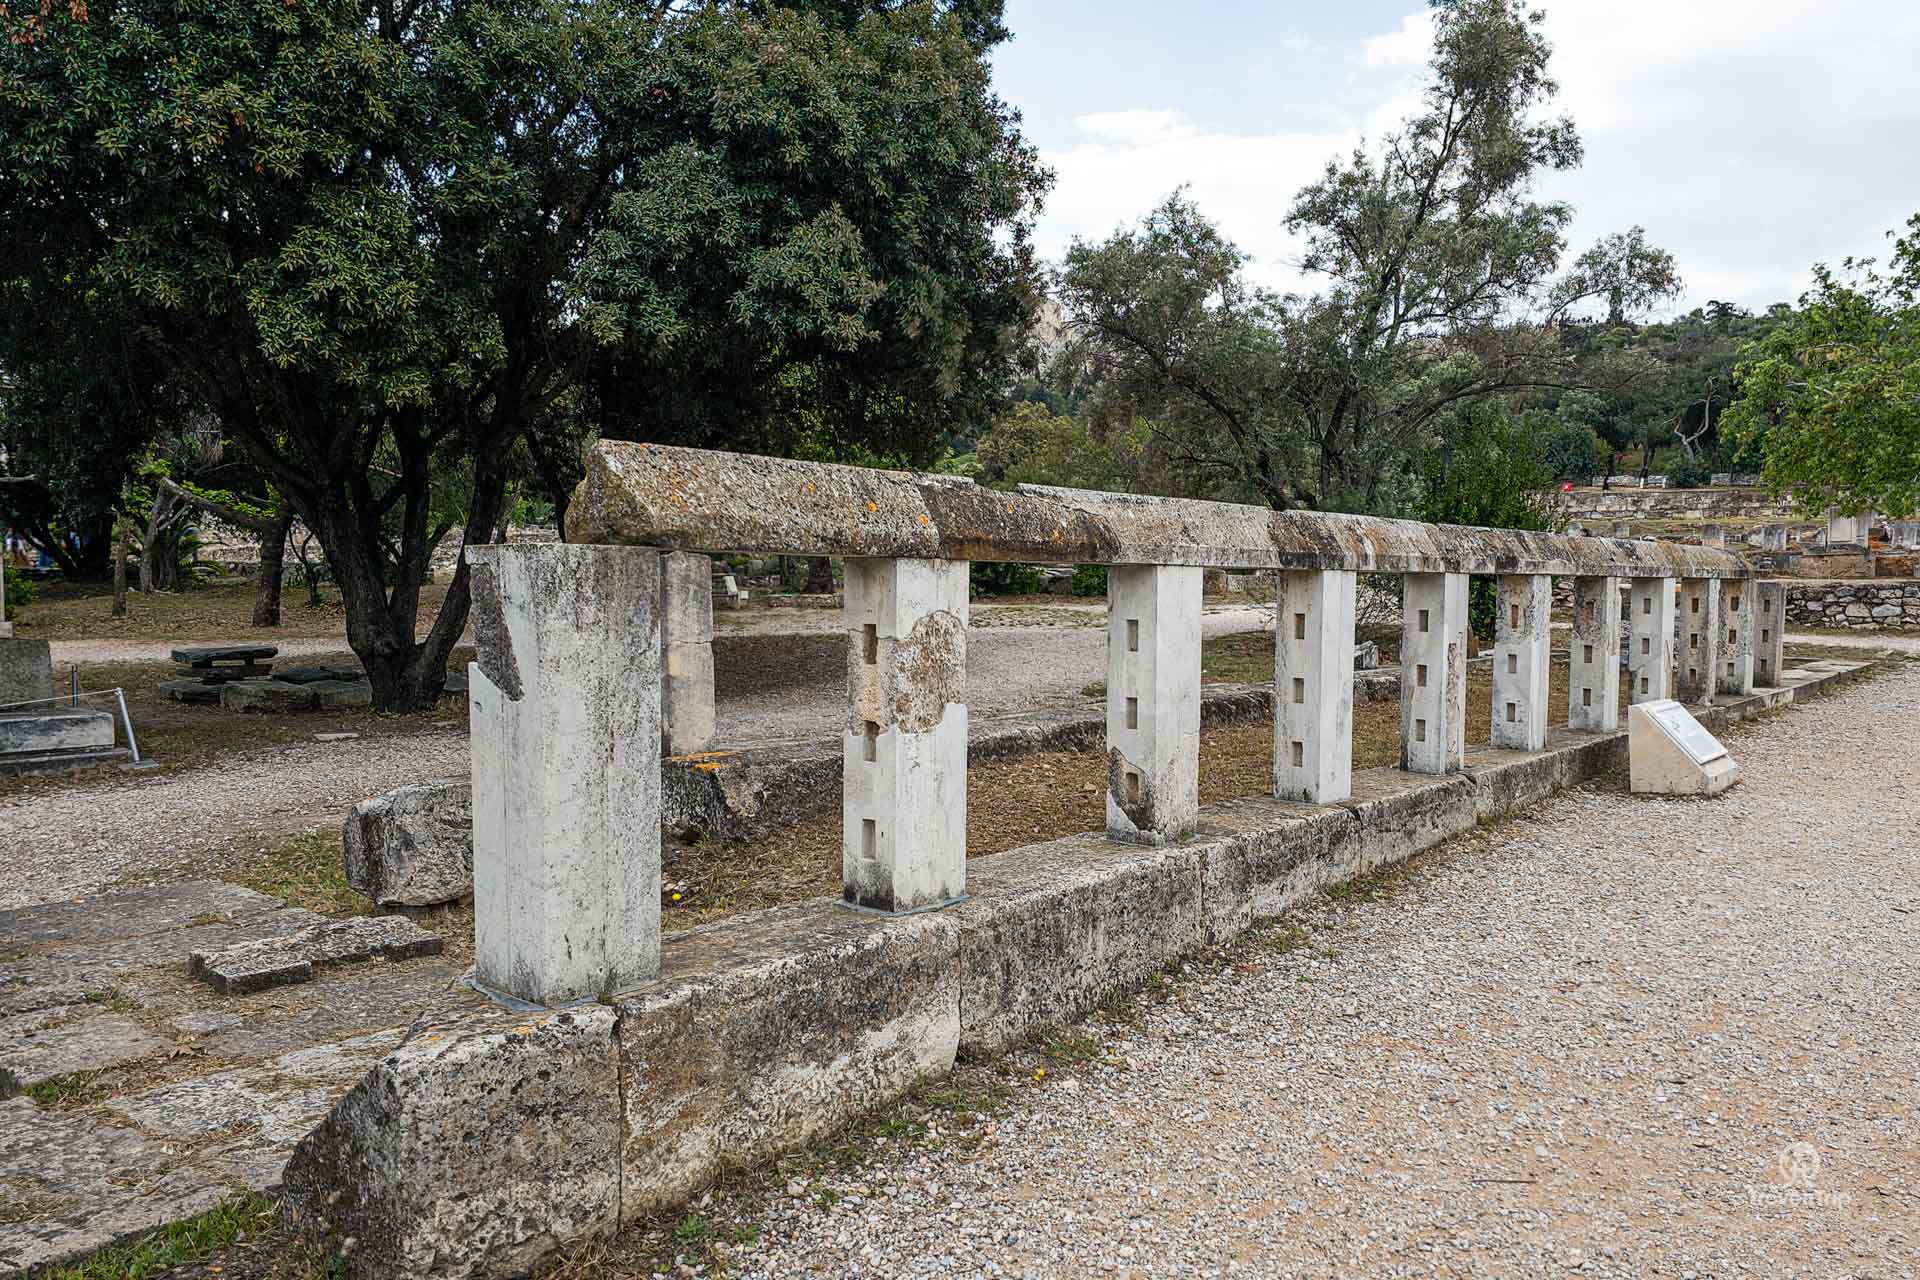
pixel 70 840
pixel 1878 642
pixel 1615 1037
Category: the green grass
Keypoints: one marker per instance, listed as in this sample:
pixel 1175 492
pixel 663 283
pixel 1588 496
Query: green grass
pixel 309 870
pixel 79 1089
pixel 179 1243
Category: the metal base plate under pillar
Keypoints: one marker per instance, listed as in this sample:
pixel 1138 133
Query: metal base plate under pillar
pixel 910 911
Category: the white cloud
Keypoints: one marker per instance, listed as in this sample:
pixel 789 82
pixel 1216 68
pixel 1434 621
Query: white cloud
pixel 1406 47
pixel 1750 139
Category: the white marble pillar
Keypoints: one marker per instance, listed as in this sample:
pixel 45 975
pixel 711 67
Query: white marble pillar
pixel 1313 685
pixel 1770 632
pixel 904 765
pixel 1153 701
pixel 1593 668
pixel 1433 672
pixel 565 740
pixel 1695 667
pixel 1650 609
pixel 1733 673
pixel 686 663
pixel 1522 632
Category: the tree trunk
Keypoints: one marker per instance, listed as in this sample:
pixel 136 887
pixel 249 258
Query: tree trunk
pixel 819 576
pixel 120 530
pixel 273 554
pixel 159 550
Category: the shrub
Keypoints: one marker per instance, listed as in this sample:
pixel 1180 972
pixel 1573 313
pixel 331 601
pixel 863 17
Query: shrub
pixel 1090 580
pixel 21 590
pixel 992 579
pixel 1689 475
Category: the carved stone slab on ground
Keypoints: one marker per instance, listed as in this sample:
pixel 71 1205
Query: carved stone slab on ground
pixel 275 962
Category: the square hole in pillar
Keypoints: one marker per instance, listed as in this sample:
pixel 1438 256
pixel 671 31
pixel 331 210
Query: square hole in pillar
pixel 1643 684
pixel 1299 626
pixel 1733 637
pixel 1419 730
pixel 1513 713
pixel 1586 654
pixel 1586 697
pixel 1514 621
pixel 869 840
pixel 870 644
pixel 1692 674
pixel 1646 604
pixel 1424 620
pixel 1133 787
pixel 1299 691
pixel 1133 635
pixel 870 743
pixel 1729 668
pixel 1420 675
pixel 1513 664
pixel 1736 604
pixel 1133 713
pixel 1693 604
pixel 1693 642
pixel 1646 645
pixel 1764 634
pixel 1299 755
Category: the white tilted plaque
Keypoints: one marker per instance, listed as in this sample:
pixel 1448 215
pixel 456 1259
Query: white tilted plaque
pixel 1671 753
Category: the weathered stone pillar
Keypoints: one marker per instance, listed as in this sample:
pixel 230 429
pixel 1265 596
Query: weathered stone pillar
pixel 1433 672
pixel 903 801
pixel 1713 535
pixel 6 558
pixel 1650 606
pixel 565 700
pixel 1313 686
pixel 686 652
pixel 1153 701
pixel 1770 637
pixel 1733 674
pixel 1694 672
pixel 1521 656
pixel 1593 669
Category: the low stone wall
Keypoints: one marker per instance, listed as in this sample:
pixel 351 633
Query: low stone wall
pixel 485 1142
pixel 1670 504
pixel 1871 604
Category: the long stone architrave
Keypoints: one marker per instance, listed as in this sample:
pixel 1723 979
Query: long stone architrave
pixel 698 499
pixel 1433 673
pixel 565 701
pixel 904 770
pixel 1593 668
pixel 1523 632
pixel 1650 607
pixel 1153 702
pixel 1696 663
pixel 1313 685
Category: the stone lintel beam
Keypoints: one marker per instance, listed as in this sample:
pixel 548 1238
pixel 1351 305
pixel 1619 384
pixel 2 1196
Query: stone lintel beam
pixel 697 499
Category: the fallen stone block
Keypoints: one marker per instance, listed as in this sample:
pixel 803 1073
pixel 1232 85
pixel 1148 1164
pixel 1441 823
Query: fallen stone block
pixel 478 1147
pixel 267 696
pixel 412 847
pixel 314 675
pixel 199 691
pixel 208 654
pixel 332 695
pixel 275 962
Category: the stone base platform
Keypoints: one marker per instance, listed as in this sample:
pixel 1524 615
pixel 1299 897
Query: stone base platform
pixel 491 1137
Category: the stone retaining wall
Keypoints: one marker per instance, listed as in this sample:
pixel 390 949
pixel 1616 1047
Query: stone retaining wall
pixel 1868 604
pixel 1671 504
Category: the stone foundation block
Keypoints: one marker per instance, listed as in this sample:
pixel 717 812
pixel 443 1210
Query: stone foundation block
pixel 1054 929
pixel 1262 856
pixel 477 1148
pixel 1397 814
pixel 275 962
pixel 772 1029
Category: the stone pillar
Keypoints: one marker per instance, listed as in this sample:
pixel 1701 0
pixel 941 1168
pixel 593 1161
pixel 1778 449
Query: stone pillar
pixel 1521 656
pixel 1593 670
pixel 565 740
pixel 1713 535
pixel 1433 672
pixel 1153 702
pixel 6 558
pixel 686 652
pixel 1650 606
pixel 1770 632
pixel 1695 667
pixel 1734 672
pixel 903 801
pixel 1313 686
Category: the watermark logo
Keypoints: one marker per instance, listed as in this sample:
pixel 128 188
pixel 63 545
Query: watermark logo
pixel 1797 1183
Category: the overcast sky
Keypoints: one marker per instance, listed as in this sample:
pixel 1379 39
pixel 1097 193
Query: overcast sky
pixel 1751 138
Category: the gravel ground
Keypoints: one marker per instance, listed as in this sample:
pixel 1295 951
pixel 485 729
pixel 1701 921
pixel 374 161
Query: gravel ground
pixel 1615 1037
pixel 1882 641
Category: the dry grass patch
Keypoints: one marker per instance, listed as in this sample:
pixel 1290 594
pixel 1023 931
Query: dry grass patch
pixel 214 611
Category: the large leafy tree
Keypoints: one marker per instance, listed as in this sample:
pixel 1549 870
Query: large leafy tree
pixel 1833 389
pixel 393 240
pixel 1442 284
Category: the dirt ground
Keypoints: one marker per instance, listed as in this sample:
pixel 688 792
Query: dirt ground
pixel 216 611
